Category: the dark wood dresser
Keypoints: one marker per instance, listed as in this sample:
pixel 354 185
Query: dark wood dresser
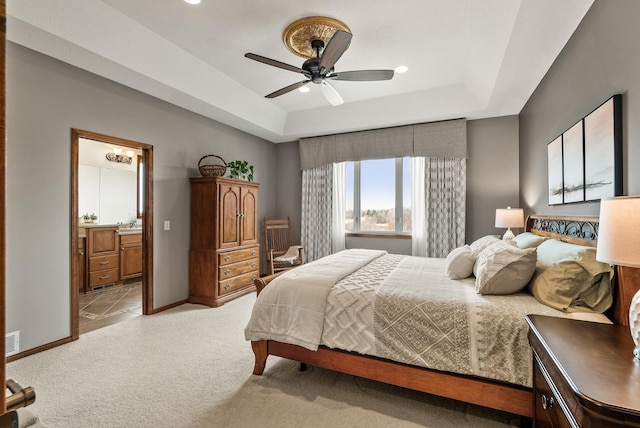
pixel 584 374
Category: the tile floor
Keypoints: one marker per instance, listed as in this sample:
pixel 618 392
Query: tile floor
pixel 109 306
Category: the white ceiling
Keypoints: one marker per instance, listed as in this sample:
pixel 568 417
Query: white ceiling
pixel 466 58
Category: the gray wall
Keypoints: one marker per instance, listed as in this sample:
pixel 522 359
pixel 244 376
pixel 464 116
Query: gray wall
pixel 45 99
pixel 601 59
pixel 289 185
pixel 492 173
pixel 492 181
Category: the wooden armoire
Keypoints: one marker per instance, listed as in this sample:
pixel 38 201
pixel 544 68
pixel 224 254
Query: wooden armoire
pixel 224 257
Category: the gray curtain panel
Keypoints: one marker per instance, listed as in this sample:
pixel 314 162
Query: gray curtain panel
pixel 317 196
pixel 445 204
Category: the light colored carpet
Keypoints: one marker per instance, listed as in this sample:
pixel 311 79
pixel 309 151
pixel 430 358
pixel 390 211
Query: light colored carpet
pixel 191 367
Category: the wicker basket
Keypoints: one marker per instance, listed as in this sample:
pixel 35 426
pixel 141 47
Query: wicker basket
pixel 215 170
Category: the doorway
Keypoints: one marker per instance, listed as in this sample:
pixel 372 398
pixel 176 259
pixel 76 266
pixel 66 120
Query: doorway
pixel 142 156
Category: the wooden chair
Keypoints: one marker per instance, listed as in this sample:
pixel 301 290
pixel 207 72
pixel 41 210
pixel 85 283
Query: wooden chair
pixel 279 248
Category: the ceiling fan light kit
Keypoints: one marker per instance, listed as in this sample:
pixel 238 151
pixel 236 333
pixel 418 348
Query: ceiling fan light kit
pixel 322 41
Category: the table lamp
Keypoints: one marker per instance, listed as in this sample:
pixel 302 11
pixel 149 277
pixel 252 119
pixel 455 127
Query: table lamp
pixel 509 217
pixel 619 244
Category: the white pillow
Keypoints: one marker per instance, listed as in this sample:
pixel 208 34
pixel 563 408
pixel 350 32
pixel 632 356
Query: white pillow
pixel 528 240
pixel 481 243
pixel 503 268
pixel 460 263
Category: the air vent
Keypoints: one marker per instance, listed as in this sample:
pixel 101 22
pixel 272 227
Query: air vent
pixel 12 343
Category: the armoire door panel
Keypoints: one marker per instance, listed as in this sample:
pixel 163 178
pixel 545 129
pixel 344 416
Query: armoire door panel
pixel 229 219
pixel 249 217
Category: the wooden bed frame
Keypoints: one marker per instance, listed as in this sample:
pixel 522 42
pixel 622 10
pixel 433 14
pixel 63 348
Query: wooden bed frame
pixel 493 394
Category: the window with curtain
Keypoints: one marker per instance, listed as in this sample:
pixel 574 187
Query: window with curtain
pixel 401 180
pixel 378 196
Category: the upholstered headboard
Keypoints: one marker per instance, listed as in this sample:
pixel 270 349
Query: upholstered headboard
pixel 583 230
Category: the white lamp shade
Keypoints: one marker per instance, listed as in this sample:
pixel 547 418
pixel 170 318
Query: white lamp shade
pixel 619 234
pixel 509 217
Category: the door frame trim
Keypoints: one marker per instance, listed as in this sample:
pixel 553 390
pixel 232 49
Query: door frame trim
pixel 147 222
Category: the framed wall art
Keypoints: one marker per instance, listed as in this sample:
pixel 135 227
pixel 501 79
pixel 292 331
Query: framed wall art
pixel 554 166
pixel 573 164
pixel 585 162
pixel 603 152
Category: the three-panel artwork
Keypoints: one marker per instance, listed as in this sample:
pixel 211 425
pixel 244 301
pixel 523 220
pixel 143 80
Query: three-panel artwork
pixel 585 161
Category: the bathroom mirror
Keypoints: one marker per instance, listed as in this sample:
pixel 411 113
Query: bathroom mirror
pixel 106 188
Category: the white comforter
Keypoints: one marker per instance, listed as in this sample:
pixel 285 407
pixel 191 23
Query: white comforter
pixel 291 309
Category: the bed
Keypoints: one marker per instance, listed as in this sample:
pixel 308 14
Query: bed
pixel 469 383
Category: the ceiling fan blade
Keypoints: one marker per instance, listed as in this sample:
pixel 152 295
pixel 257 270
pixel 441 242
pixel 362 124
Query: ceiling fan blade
pixel 334 50
pixel 287 89
pixel 273 62
pixel 362 75
pixel 331 94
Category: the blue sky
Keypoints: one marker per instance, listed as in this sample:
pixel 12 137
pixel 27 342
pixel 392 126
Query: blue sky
pixel 378 184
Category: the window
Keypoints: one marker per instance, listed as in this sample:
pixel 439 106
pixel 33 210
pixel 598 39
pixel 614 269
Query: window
pixel 376 191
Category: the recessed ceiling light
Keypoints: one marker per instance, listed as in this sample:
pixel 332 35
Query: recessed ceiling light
pixel 304 89
pixel 401 69
pixel 192 1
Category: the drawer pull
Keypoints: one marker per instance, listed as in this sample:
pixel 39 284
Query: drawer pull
pixel 104 277
pixel 227 271
pixel 253 253
pixel 253 265
pixel 104 263
pixel 226 287
pixel 253 278
pixel 547 402
pixel 227 258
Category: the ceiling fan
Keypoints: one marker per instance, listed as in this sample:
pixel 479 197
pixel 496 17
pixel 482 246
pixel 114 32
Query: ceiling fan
pixel 320 68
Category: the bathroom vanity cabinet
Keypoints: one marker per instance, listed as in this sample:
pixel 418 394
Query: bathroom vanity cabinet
pixel 103 256
pixel 130 256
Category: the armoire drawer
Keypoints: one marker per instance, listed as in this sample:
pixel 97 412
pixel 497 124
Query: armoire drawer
pixel 229 257
pixel 232 284
pixel 235 269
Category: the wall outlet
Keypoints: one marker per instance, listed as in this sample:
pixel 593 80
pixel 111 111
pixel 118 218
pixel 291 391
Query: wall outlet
pixel 167 225
pixel 12 343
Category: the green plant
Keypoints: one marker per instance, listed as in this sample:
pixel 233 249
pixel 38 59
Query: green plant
pixel 87 216
pixel 240 169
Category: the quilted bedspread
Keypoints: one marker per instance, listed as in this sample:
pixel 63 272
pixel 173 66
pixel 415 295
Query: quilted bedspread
pixel 445 325
pixel 405 309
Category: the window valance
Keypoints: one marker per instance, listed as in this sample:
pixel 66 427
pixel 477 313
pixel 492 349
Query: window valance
pixel 447 139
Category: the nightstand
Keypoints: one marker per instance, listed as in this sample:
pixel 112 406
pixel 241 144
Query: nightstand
pixel 584 374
